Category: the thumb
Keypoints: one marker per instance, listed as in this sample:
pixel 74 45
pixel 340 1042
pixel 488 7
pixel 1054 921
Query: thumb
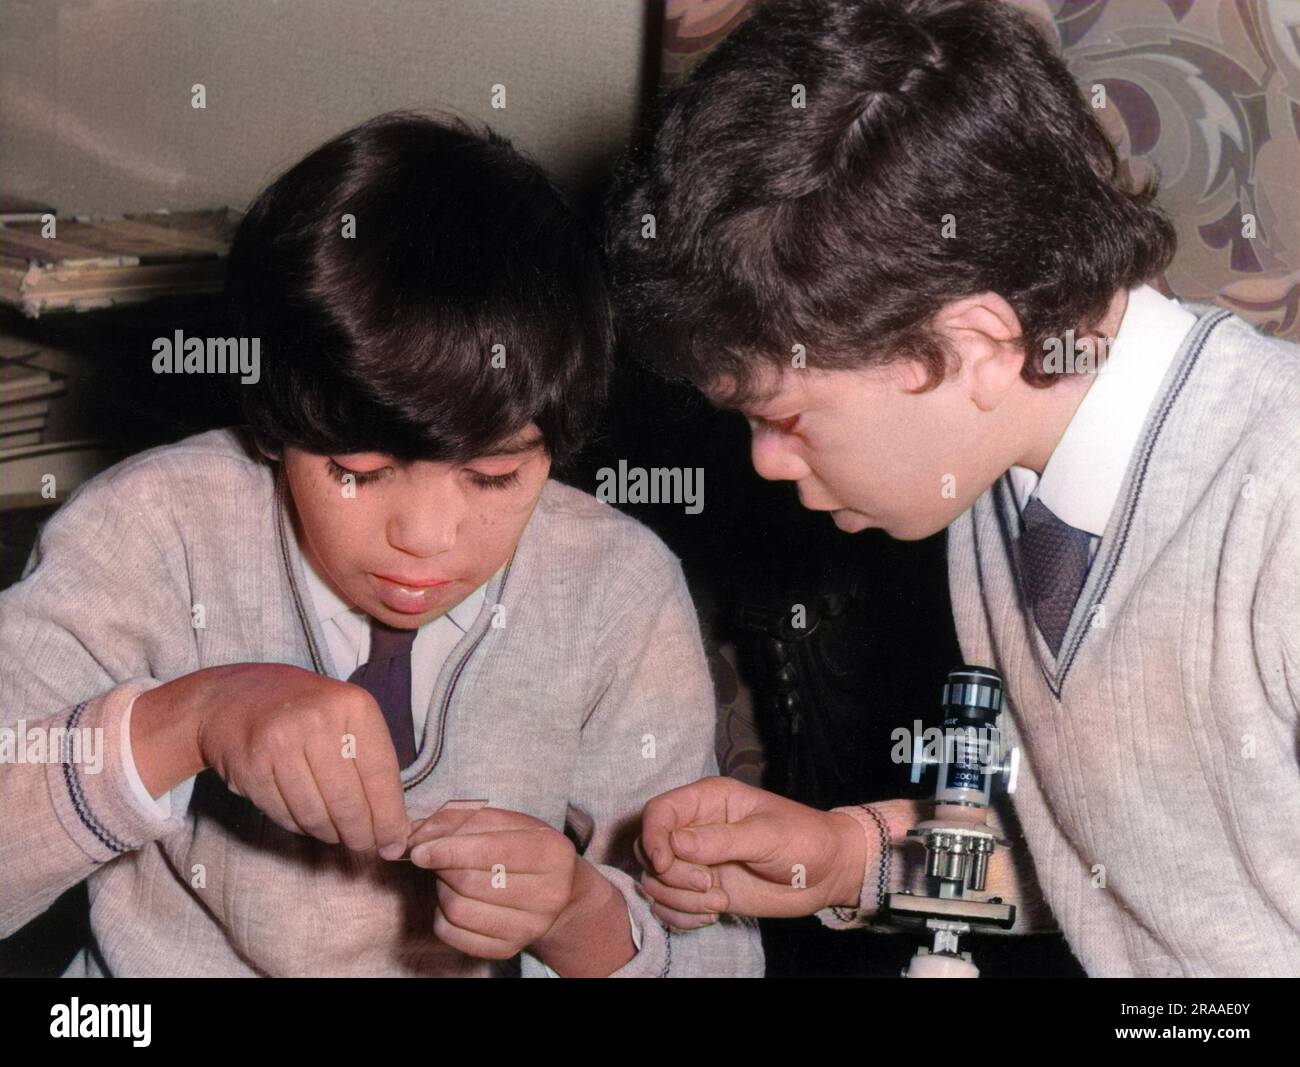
pixel 749 840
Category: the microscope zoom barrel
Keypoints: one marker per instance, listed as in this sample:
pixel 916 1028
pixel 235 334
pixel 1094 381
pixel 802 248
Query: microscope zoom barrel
pixel 972 751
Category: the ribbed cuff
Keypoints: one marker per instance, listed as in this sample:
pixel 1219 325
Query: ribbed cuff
pixel 98 807
pixel 875 876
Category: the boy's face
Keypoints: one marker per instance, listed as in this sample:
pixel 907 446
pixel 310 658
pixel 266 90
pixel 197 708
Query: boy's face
pixel 865 447
pixel 406 543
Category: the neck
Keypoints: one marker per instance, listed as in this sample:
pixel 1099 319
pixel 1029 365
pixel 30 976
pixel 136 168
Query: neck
pixel 1050 410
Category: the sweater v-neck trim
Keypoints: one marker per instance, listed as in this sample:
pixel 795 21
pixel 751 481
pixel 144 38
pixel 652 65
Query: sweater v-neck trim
pixel 1055 668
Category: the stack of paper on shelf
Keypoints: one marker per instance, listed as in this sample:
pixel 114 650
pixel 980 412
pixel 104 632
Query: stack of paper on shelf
pixel 101 262
pixel 25 393
pixel 22 209
pixel 36 470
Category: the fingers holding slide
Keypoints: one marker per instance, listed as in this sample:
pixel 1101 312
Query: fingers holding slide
pixel 681 921
pixel 699 908
pixel 751 840
pixel 679 873
pixel 377 768
pixel 454 816
pixel 705 801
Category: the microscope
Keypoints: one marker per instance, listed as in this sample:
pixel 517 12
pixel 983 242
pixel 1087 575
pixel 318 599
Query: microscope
pixel 969 761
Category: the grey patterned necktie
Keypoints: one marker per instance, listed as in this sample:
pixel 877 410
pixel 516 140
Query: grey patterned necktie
pixel 386 676
pixel 1054 559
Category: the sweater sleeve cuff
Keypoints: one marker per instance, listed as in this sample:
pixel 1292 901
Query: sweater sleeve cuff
pixel 94 799
pixel 875 877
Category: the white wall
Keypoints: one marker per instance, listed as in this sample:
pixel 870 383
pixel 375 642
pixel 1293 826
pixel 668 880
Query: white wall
pixel 95 113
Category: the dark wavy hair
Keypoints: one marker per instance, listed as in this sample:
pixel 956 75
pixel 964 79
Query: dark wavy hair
pixel 776 225
pixel 384 342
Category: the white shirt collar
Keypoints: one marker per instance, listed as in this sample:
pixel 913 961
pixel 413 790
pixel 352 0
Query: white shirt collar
pixel 330 606
pixel 1082 479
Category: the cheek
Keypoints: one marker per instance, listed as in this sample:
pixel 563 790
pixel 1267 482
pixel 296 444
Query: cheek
pixel 857 464
pixel 881 466
pixel 914 451
pixel 494 525
pixel 336 525
pixel 848 481
pixel 499 523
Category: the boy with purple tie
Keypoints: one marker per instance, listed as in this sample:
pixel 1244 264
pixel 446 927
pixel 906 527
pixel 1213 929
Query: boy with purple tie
pixel 301 638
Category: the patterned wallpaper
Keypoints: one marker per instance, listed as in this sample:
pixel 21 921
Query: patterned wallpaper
pixel 1206 91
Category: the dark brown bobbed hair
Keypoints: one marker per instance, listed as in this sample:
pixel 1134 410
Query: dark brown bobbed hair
pixel 384 342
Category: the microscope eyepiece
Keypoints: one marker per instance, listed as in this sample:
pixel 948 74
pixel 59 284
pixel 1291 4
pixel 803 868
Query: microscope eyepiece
pixel 972 695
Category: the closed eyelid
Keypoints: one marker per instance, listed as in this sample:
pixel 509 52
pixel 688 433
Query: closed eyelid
pixel 338 466
pixel 338 472
pixel 784 425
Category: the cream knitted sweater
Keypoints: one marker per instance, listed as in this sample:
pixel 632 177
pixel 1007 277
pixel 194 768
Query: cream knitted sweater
pixel 593 697
pixel 1160 793
pixel 1158 807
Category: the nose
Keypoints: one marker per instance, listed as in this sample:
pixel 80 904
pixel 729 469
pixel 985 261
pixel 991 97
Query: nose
pixel 774 459
pixel 426 522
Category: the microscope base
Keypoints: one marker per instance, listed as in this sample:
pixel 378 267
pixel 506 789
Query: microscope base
pixel 927 964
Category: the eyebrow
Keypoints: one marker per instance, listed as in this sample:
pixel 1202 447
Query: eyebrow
pixel 748 409
pixel 728 403
pixel 527 444
pixel 756 399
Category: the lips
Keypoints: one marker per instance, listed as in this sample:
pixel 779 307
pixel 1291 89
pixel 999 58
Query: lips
pixel 414 583
pixel 409 599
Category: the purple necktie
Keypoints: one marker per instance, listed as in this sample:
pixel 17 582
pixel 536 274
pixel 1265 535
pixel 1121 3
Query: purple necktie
pixel 386 676
pixel 1054 560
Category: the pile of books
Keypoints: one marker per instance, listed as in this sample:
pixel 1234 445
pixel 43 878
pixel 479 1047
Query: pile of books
pixel 25 393
pixel 40 461
pixel 56 263
pixel 83 263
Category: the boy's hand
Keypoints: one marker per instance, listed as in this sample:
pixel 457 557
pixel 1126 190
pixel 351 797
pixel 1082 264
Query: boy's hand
pixel 720 845
pixel 508 882
pixel 311 752
pixel 504 878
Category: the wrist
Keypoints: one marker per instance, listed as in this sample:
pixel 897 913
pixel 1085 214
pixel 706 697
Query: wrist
pixel 585 896
pixel 164 737
pixel 595 907
pixel 853 853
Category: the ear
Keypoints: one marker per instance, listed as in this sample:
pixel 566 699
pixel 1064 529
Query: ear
pixel 985 331
pixel 267 448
